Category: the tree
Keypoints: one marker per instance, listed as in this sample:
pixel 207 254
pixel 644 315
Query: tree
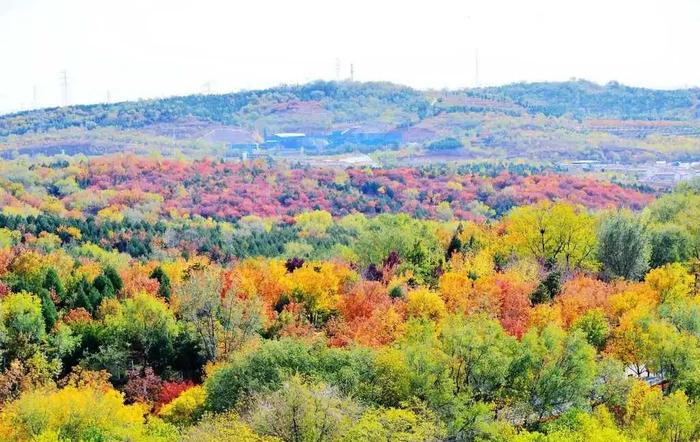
pixel 548 288
pixel 675 215
pixel 480 355
pixel 652 416
pixel 104 285
pixel 671 282
pixel 164 289
pixel 149 326
pixel 368 316
pixel 509 297
pixel 86 296
pixel 23 325
pixel 425 304
pixel 551 371
pixel 426 367
pixel 414 242
pixel 186 408
pixel 556 233
pixel 394 424
pixel 669 243
pixel 623 247
pixel 78 413
pixel 317 287
pixel 223 320
pixel 578 426
pixel 300 412
pixel 53 284
pixel 223 427
pixel 673 355
pixel 595 328
pixel 114 278
pixel 612 385
pixel 580 294
pixel 143 385
pixel 313 224
pixel 170 390
pixel 48 309
pixel 245 374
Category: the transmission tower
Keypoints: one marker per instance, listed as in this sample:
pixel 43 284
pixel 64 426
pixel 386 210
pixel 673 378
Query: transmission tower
pixel 64 86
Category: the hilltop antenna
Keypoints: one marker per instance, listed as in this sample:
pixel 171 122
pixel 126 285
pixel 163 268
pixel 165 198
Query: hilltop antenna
pixel 352 72
pixel 337 69
pixel 64 86
pixel 475 37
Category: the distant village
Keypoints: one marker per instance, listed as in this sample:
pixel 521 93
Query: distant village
pixel 657 174
pixel 350 147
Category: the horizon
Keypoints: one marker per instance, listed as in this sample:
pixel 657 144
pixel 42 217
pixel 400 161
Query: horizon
pixel 319 80
pixel 125 51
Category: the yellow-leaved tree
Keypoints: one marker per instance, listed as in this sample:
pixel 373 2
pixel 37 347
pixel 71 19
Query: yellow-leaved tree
pixel 555 234
pixel 79 413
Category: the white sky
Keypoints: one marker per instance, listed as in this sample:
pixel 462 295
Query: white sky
pixel 152 48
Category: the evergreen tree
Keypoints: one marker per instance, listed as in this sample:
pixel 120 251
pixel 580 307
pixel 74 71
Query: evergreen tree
pixel 86 296
pixel 548 288
pixel 114 278
pixel 48 309
pixel 164 290
pixel 53 282
pixel 104 285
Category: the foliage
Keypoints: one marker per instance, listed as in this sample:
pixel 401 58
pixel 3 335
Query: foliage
pixel 396 425
pixel 299 412
pixel 186 408
pixel 78 413
pixel 623 249
pixel 332 312
pixel 557 233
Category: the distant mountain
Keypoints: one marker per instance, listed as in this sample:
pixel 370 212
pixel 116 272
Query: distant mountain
pixel 339 101
pixel 575 119
pixel 584 99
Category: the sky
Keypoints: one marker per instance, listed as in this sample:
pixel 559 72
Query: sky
pixel 115 50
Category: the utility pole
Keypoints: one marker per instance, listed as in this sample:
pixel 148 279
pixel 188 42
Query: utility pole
pixel 352 72
pixel 64 85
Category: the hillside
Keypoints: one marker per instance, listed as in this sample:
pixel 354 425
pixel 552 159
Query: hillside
pixel 542 121
pixel 185 296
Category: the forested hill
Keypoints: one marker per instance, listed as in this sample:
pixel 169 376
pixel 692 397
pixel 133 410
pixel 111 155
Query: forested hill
pixel 585 99
pixel 574 120
pixel 329 103
pixel 337 101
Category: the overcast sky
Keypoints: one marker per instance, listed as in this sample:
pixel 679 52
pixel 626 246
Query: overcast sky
pixel 129 49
